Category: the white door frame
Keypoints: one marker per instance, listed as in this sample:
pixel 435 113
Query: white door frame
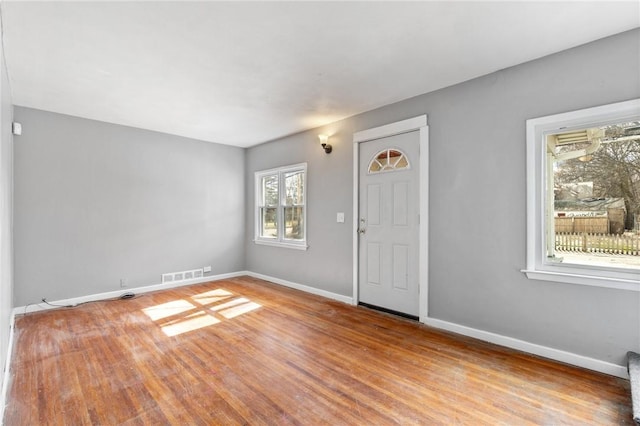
pixel 412 124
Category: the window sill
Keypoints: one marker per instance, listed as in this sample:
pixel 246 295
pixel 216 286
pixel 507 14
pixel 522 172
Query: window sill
pixel 295 246
pixel 589 280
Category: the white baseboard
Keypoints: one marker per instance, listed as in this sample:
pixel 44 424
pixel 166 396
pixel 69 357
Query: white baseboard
pixel 89 298
pixel 35 307
pixel 139 290
pixel 302 287
pixel 510 342
pixel 543 351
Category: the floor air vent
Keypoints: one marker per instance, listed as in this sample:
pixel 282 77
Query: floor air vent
pixel 172 277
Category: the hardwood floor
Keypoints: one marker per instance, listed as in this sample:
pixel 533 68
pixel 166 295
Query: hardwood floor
pixel 244 351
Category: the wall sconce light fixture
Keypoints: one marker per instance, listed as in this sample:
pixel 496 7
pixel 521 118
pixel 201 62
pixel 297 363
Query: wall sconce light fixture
pixel 323 141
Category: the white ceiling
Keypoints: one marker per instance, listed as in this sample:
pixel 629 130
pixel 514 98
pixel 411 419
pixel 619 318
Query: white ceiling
pixel 242 73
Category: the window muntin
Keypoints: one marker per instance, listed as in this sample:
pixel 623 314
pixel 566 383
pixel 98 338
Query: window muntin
pixel 558 147
pixel 281 206
pixel 388 160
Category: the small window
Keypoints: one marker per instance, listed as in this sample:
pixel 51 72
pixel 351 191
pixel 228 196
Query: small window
pixel 388 160
pixel 281 206
pixel 583 173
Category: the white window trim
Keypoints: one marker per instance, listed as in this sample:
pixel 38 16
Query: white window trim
pixel 280 241
pixel 538 267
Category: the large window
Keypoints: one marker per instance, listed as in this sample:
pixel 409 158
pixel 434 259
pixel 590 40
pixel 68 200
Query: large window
pixel 281 206
pixel 583 195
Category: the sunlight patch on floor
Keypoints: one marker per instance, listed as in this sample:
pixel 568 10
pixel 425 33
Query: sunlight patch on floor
pixel 212 296
pixel 239 310
pixel 189 323
pixel 200 311
pixel 230 304
pixel 168 309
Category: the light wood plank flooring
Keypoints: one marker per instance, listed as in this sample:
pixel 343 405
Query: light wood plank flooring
pixel 244 351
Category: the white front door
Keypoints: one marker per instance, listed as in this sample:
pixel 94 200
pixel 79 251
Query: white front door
pixel 388 224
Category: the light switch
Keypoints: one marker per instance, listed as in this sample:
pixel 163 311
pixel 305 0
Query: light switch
pixel 340 217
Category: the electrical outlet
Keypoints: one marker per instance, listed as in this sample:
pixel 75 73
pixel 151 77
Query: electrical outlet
pixel 123 282
pixel 207 269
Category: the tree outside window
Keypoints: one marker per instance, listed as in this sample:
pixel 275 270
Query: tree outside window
pixel 596 195
pixel 583 196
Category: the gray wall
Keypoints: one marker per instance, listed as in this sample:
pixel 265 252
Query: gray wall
pixel 327 262
pixel 97 202
pixel 477 202
pixel 6 210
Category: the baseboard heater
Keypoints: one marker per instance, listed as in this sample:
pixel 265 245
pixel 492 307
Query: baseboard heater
pixel 633 367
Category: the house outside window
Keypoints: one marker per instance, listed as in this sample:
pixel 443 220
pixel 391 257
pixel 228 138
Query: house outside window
pixel 281 200
pixel 583 196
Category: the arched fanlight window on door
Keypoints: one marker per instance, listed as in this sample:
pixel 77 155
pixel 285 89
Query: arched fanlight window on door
pixel 388 160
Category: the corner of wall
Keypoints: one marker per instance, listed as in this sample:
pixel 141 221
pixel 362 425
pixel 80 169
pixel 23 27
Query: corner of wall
pixel 6 220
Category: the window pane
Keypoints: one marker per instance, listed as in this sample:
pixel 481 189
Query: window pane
pixel 594 188
pixel 293 223
pixel 294 184
pixel 388 160
pixel 383 159
pixel 268 222
pixel 270 190
pixel 402 163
